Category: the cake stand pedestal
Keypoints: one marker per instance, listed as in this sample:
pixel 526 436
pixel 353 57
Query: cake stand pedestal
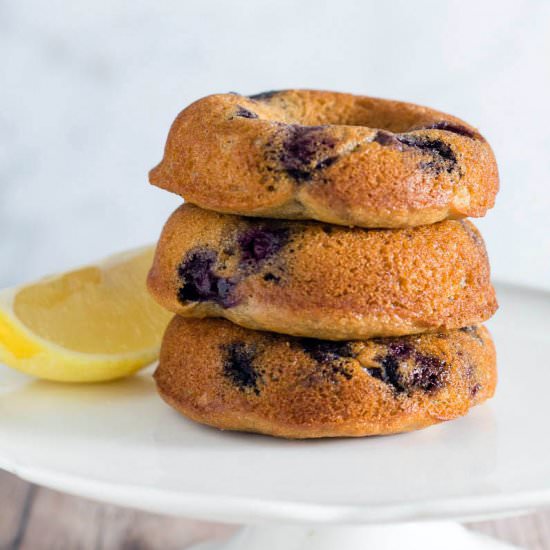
pixel 413 536
pixel 119 443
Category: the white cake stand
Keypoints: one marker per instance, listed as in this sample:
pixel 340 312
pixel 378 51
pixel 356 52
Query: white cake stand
pixel 119 443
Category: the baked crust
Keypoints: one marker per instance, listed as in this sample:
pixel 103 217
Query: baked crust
pixel 320 281
pixel 223 375
pixel 334 157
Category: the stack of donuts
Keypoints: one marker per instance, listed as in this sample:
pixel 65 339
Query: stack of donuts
pixel 322 274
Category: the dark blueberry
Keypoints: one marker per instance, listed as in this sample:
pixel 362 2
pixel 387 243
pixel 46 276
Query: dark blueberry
pixel 302 149
pixel 196 272
pixel 400 349
pixel 300 175
pixel 376 372
pixel 326 351
pixel 387 138
pixel 225 288
pixel 444 157
pixel 238 366
pixel 271 277
pixel 325 163
pixel 261 242
pixel 452 127
pixel 339 371
pixel 473 332
pixel 429 372
pixel 245 113
pixel 262 96
pixel 330 359
pixel 302 143
pixel 200 283
pixel 475 389
pixel 388 372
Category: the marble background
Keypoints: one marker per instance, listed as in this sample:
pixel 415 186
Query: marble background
pixel 89 89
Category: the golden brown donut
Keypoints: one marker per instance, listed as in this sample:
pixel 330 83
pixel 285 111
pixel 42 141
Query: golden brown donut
pixel 333 157
pixel 220 374
pixel 320 281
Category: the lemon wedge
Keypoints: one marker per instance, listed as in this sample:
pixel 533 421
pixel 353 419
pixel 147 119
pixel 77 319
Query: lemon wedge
pixel 88 325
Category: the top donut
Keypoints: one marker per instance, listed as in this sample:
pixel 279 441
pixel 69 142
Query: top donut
pixel 334 157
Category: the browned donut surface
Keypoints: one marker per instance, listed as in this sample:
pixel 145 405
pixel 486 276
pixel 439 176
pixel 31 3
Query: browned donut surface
pixel 333 157
pixel 220 374
pixel 315 280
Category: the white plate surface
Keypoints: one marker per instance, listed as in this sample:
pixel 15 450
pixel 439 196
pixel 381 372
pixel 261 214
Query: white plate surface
pixel 118 442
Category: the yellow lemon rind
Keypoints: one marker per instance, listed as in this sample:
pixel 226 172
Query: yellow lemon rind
pixel 27 352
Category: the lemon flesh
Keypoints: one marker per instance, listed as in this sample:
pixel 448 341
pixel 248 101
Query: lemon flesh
pixel 92 324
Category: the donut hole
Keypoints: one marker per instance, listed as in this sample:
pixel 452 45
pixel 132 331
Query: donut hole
pixel 310 108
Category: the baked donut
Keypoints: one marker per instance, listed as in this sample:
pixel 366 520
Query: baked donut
pixel 233 378
pixel 333 157
pixel 322 281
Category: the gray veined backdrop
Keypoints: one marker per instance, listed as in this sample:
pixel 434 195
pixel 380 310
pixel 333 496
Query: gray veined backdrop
pixel 89 89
